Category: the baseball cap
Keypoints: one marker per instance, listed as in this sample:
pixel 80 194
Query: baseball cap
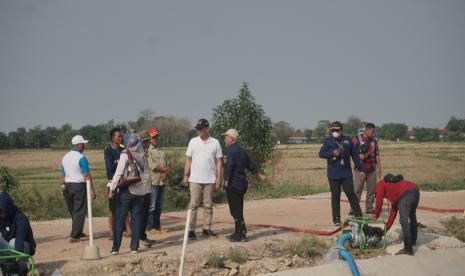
pixel 202 123
pixel 78 139
pixel 153 132
pixel 143 135
pixel 232 132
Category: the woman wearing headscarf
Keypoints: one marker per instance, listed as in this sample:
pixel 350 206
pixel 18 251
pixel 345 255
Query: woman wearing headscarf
pixel 129 197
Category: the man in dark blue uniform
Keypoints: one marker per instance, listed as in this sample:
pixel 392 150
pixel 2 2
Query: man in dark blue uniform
pixel 235 181
pixel 111 154
pixel 337 149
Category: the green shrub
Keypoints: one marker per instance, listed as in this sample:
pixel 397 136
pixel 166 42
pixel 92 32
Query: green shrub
pixel 215 259
pixel 237 254
pixel 308 247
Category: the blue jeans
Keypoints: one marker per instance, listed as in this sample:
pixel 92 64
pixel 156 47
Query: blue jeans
pixel 156 205
pixel 127 202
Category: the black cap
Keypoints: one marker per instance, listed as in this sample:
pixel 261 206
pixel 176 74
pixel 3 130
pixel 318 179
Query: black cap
pixel 336 125
pixel 202 123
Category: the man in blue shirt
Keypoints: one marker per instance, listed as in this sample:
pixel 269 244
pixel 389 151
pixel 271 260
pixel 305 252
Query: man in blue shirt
pixel 337 149
pixel 237 161
pixel 111 155
pixel 75 172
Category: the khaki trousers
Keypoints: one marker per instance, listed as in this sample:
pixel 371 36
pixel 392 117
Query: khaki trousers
pixel 201 193
pixel 359 183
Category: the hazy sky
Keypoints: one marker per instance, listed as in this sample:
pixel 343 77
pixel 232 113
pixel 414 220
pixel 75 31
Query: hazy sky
pixel 90 61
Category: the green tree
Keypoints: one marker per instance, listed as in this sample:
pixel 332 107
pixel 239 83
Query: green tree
pixel 352 125
pixel 249 119
pixel 426 134
pixel 308 133
pixel 321 129
pixel 282 131
pixel 4 141
pixel 393 131
pixel 456 125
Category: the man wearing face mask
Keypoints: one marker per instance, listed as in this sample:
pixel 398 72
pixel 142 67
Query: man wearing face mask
pixel 337 150
pixel 367 148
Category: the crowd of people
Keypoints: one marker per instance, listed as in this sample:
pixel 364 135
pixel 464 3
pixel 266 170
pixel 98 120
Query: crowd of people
pixel 137 170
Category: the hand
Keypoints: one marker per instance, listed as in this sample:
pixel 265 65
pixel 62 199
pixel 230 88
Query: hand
pixel 185 181
pixel 336 152
pixel 218 183
pixel 93 194
pixel 379 173
pixel 110 194
pixel 226 183
pixel 363 174
pixel 362 156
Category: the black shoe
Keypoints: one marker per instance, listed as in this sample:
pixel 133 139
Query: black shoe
pixel 239 238
pixel 209 233
pixel 405 252
pixel 192 236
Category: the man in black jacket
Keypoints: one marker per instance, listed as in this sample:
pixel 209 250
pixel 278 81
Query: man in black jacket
pixel 15 227
pixel 235 181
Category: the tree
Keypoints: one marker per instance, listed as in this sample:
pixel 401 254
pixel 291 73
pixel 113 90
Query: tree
pixel 393 131
pixel 282 131
pixel 3 141
pixel 456 125
pixel 426 134
pixel 321 129
pixel 352 125
pixel 249 119
pixel 308 133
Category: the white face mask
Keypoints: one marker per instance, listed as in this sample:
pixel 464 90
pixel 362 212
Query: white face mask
pixel 336 134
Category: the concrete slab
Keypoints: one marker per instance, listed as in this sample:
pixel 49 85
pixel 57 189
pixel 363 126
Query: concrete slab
pixel 448 262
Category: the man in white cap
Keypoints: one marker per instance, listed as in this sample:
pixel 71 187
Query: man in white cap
pixel 237 162
pixel 74 174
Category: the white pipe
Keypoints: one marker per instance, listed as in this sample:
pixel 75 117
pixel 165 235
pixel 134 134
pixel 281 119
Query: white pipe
pixel 89 214
pixel 184 243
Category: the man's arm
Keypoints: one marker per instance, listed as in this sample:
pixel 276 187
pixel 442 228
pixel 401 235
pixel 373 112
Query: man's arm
pixel 379 191
pixel 84 164
pixel 392 217
pixel 356 158
pixel 187 169
pixel 379 172
pixel 325 151
pixel 219 166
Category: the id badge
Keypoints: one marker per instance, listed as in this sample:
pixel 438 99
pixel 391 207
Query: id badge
pixel 342 162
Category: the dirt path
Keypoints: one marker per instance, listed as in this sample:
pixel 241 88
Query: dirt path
pixel 54 251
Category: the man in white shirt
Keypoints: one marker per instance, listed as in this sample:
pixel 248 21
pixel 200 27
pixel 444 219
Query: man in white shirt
pixel 74 174
pixel 202 172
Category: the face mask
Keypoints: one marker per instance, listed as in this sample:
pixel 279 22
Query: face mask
pixel 336 134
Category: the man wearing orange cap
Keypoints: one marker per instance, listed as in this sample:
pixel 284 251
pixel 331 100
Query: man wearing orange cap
pixel 159 170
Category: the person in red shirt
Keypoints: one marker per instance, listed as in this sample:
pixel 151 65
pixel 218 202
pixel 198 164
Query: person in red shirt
pixel 404 197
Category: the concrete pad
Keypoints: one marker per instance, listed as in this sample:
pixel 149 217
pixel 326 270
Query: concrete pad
pixel 448 262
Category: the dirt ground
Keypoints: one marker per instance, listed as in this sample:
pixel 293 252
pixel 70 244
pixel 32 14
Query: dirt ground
pixel 56 254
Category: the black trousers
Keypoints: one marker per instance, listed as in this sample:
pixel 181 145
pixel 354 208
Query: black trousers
pixel 407 206
pixel 144 216
pixel 347 184
pixel 76 199
pixel 236 204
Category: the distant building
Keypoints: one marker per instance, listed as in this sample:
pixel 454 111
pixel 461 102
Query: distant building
pixel 298 137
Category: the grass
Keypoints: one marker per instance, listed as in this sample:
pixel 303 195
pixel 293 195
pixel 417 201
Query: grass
pixel 215 259
pixel 237 254
pixel 295 170
pixel 455 227
pixel 308 247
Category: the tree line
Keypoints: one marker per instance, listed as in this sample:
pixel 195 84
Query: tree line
pixel 453 131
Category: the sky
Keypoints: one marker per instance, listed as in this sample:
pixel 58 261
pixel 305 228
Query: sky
pixel 86 62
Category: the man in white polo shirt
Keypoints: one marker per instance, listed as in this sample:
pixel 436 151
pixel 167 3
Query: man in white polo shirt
pixel 74 174
pixel 202 172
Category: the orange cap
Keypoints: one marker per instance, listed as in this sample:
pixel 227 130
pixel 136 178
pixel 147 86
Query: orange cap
pixel 153 132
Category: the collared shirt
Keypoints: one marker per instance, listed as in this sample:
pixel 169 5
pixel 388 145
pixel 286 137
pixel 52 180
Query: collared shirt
pixel 340 168
pixel 156 158
pixel 237 161
pixel 204 155
pixel 73 166
pixel 111 156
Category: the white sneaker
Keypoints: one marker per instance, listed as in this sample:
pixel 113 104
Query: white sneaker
pixel 114 253
pixel 134 251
